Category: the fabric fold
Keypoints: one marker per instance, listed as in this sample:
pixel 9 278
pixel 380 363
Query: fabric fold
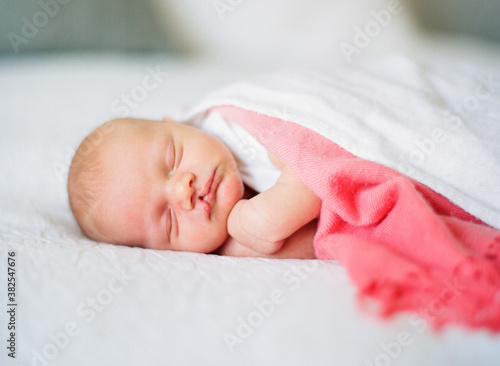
pixel 403 244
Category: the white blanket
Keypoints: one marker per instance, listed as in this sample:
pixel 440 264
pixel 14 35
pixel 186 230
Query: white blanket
pixel 438 124
pixel 85 303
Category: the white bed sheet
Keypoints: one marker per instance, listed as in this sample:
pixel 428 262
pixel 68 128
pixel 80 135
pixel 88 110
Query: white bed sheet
pixel 85 303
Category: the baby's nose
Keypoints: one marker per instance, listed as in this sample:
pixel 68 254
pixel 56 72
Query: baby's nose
pixel 181 190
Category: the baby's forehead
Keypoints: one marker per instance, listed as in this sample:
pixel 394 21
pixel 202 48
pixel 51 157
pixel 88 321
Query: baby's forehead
pixel 127 137
pixel 131 137
pixel 133 131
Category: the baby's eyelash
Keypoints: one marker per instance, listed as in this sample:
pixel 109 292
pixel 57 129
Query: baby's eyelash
pixel 171 157
pixel 170 222
pixel 178 155
pixel 175 225
pixel 175 157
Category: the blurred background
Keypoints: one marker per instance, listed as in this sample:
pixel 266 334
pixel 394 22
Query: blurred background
pixel 247 31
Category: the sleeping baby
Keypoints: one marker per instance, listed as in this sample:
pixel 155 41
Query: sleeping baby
pixel 274 167
pixel 169 185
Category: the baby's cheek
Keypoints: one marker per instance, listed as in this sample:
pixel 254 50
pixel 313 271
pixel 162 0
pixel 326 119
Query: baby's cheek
pixel 230 192
pixel 133 220
pixel 130 217
pixel 209 238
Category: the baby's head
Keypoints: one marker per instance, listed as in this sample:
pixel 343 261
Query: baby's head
pixel 154 184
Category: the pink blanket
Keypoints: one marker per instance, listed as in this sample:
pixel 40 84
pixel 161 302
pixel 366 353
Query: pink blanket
pixel 402 244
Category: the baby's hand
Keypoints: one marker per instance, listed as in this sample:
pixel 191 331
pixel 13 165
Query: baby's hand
pixel 264 222
pixel 249 226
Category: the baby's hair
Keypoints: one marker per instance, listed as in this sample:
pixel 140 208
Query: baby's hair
pixel 87 176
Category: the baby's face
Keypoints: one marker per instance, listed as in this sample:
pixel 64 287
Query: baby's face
pixel 171 186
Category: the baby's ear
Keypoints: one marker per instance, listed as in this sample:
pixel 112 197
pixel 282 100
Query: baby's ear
pixel 168 119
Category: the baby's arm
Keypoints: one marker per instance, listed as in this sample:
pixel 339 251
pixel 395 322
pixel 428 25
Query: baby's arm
pixel 297 245
pixel 263 222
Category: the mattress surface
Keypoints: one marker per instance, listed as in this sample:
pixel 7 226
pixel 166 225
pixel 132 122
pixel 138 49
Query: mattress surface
pixel 78 302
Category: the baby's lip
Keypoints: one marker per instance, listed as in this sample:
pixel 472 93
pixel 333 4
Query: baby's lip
pixel 206 194
pixel 207 187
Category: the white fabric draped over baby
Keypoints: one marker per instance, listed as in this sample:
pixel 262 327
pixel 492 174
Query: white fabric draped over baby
pixel 254 165
pixel 436 124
